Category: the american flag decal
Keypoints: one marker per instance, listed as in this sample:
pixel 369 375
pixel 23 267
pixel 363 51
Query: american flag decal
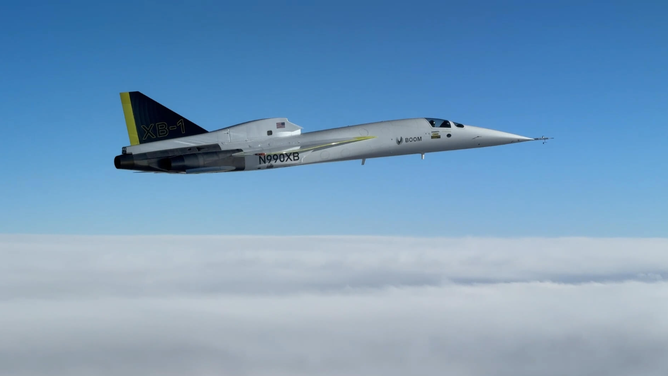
pixel 280 125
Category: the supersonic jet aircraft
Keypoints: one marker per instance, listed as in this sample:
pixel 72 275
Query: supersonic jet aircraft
pixel 164 141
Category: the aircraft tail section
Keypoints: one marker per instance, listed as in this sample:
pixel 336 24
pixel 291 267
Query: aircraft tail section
pixel 148 120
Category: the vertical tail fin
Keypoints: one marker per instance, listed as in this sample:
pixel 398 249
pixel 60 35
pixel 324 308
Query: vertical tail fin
pixel 148 120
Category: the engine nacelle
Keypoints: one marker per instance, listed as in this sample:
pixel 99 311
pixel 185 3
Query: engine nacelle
pixel 180 163
pixel 186 162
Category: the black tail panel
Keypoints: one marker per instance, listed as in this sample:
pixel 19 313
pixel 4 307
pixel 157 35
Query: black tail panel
pixel 152 121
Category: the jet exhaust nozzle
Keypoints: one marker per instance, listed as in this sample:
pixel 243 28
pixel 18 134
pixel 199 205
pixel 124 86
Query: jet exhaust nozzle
pixel 124 162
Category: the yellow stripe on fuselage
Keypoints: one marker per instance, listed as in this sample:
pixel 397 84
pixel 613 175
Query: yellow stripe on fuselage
pixel 334 143
pixel 129 118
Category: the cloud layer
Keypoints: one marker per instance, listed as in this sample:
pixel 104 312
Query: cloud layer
pixel 332 305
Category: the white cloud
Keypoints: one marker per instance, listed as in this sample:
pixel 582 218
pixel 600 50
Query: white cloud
pixel 332 305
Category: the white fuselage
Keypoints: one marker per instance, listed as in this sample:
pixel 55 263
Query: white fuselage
pixel 373 140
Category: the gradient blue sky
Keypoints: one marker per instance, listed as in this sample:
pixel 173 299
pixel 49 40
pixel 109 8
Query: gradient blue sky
pixel 591 74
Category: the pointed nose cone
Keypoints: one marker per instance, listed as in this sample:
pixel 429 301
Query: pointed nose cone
pixel 491 137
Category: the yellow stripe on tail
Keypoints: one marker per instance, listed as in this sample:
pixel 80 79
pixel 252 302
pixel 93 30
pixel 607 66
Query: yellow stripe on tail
pixel 129 119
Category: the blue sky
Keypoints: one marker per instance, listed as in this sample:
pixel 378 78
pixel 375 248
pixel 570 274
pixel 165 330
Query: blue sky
pixel 591 74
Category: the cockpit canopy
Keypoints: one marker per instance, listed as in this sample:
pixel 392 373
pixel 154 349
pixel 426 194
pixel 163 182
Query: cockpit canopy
pixel 440 123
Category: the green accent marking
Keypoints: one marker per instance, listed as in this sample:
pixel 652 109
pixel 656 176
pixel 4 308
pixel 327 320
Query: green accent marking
pixel 323 145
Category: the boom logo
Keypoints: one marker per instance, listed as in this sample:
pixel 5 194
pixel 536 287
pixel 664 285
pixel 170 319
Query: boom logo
pixel 408 139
